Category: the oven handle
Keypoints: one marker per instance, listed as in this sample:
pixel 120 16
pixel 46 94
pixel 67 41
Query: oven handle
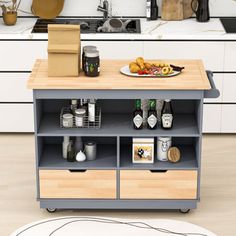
pixel 213 92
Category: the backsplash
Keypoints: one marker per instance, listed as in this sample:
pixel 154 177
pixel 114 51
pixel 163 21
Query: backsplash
pixel 130 7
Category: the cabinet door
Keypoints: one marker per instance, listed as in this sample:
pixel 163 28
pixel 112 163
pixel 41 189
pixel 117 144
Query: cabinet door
pixel 218 79
pixel 16 118
pixel 230 56
pixel 21 55
pixel 14 88
pixel 229 85
pixel 212 53
pixel 212 118
pixel 118 50
pixel 228 118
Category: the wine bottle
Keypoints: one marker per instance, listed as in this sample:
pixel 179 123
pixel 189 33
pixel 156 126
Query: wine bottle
pixel 148 9
pixel 167 115
pixel 154 10
pixel 152 114
pixel 138 115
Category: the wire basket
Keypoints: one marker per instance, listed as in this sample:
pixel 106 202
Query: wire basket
pixel 86 123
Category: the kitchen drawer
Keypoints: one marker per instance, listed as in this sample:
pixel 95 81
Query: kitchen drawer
pixel 229 85
pixel 230 56
pixel 16 118
pixel 212 118
pixel 21 55
pixel 218 80
pixel 118 50
pixel 13 88
pixel 188 50
pixel 228 118
pixel 172 184
pixel 96 184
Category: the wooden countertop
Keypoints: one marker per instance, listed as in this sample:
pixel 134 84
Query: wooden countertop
pixel 192 78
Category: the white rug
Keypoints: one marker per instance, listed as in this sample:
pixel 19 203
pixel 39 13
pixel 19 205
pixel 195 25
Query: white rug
pixel 96 226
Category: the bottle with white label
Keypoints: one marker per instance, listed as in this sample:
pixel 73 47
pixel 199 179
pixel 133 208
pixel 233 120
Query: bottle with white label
pixel 152 115
pixel 148 9
pixel 138 115
pixel 91 110
pixel 167 115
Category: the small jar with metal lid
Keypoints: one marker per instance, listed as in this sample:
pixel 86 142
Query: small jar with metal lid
pixel 79 117
pixel 67 120
pixel 92 63
pixel 87 48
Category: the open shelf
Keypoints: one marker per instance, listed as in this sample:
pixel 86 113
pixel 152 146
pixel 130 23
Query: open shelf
pixel 51 158
pixel 185 125
pixel 188 160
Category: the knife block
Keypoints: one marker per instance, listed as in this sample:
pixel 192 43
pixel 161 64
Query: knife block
pixel 63 50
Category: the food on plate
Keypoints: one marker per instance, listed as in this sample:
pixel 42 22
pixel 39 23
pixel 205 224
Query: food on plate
pixel 133 67
pixel 142 67
pixel 165 70
pixel 140 63
pixel 148 65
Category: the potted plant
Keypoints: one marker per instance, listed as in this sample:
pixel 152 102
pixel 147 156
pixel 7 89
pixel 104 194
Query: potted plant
pixel 9 11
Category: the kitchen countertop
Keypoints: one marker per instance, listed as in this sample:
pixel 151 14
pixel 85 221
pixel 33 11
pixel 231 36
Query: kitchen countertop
pixel 193 77
pixel 152 30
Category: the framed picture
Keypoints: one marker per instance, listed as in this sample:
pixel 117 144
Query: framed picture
pixel 143 150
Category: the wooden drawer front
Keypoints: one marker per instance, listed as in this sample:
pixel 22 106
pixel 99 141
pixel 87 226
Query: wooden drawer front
pixel 229 85
pixel 14 88
pixel 20 55
pixel 228 118
pixel 121 50
pixel 89 184
pixel 16 118
pixel 188 50
pixel 144 184
pixel 212 118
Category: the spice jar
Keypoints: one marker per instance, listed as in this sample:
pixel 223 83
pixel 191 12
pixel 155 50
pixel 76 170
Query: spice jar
pixel 92 63
pixel 79 117
pixel 87 48
pixel 67 120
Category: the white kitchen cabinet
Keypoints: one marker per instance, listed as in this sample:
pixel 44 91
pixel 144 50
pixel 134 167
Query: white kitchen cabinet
pixel 212 118
pixel 228 124
pixel 230 56
pixel 21 55
pixel 14 88
pixel 118 49
pixel 229 86
pixel 218 79
pixel 16 118
pixel 212 53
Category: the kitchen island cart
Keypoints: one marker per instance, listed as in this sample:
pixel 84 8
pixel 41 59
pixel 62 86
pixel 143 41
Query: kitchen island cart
pixel 112 181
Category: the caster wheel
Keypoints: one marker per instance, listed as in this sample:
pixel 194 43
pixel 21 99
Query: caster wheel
pixel 184 211
pixel 51 210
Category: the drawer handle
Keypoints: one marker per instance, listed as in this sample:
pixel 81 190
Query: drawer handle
pixel 80 171
pixel 158 171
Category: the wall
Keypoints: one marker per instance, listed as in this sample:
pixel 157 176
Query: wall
pixel 130 7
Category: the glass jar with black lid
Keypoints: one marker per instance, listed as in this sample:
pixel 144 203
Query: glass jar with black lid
pixel 92 63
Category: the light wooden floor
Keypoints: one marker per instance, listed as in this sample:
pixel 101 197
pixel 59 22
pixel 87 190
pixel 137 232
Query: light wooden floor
pixel 216 211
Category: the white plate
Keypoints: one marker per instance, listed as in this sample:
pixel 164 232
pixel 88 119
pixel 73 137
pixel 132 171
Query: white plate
pixel 125 70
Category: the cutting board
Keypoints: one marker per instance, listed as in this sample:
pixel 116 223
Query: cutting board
pixel 176 9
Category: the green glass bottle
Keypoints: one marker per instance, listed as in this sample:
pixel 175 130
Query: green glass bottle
pixel 152 115
pixel 138 115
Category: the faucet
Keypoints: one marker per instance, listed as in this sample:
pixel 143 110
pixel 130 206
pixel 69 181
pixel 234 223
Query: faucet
pixel 104 8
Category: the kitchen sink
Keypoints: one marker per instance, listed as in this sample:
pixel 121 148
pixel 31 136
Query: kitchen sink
pixel 87 26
